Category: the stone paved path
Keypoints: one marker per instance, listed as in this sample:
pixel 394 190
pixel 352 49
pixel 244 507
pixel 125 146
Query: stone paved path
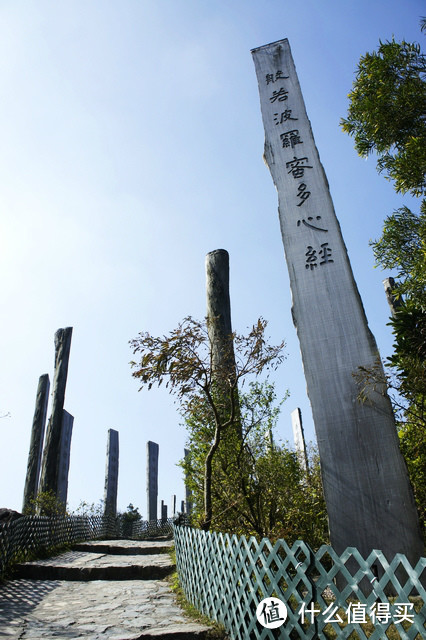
pixel 63 605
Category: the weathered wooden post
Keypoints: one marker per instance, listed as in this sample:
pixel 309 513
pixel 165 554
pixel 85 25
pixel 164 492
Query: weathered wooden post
pixel 219 309
pixel 393 302
pixel 36 444
pixel 50 463
pixel 369 498
pixel 219 318
pixel 173 506
pixel 64 456
pixel 111 474
pixel 182 506
pixel 299 438
pixel 152 450
pixel 163 512
pixel 188 492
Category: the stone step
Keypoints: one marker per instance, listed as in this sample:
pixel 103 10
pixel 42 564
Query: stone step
pixel 125 547
pixel 83 566
pixel 129 610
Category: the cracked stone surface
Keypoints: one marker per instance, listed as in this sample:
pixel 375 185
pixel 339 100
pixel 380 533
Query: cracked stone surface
pixel 119 547
pixel 80 565
pixel 128 610
pixel 96 609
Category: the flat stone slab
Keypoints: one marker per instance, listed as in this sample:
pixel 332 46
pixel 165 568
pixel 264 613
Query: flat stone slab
pixel 125 547
pixel 129 610
pixel 79 565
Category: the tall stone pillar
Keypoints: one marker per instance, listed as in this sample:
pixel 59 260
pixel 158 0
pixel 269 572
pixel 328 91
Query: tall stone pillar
pixel 64 456
pixel 50 463
pixel 111 474
pixel 163 512
pixel 299 438
pixel 173 506
pixel 36 444
pixel 369 498
pixel 152 450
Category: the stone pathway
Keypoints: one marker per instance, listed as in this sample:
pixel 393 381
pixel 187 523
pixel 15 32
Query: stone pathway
pixel 99 591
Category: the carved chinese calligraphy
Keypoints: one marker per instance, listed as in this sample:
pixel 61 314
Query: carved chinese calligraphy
pixel 369 498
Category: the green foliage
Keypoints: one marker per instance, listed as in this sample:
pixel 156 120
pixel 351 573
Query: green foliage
pixel 132 514
pixel 260 487
pixel 412 438
pixel 89 509
pixel 241 480
pixel 387 113
pixel 46 503
pixel 402 246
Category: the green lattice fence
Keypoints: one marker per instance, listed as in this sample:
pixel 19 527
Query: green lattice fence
pixel 226 577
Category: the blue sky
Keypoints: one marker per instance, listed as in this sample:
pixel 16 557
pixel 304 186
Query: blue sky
pixel 131 145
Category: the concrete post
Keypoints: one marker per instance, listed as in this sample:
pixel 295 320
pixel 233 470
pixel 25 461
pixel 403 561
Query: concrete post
pixel 111 474
pixel 50 463
pixel 152 451
pixel 369 499
pixel 36 444
pixel 64 456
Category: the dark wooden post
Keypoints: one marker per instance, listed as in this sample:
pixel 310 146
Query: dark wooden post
pixel 219 324
pixel 111 474
pixel 393 302
pixel 36 444
pixel 299 438
pixel 50 464
pixel 64 456
pixel 152 451
pixel 163 512
pixel 219 309
pixel 188 492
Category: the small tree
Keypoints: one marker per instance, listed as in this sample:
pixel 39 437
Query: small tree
pixel 260 487
pixel 46 503
pixel 184 360
pixel 132 514
pixel 88 509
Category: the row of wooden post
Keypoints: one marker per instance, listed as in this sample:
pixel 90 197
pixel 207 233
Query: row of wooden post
pixel 52 467
pixel 47 468
pixel 48 465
